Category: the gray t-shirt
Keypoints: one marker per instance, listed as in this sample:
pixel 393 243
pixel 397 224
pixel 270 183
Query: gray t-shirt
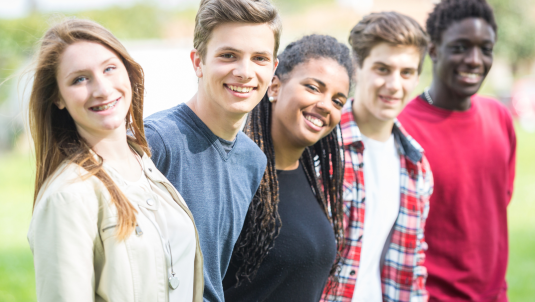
pixel 217 186
pixel 227 145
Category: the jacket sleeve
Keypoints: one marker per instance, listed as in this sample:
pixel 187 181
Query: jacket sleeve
pixel 420 294
pixel 61 236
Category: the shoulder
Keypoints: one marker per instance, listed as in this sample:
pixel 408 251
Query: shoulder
pixel 163 119
pixel 70 179
pixel 251 148
pixel 489 103
pixel 71 184
pixel 495 110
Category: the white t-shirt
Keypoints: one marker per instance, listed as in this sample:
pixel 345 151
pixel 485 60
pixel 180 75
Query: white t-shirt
pixel 382 189
pixel 175 227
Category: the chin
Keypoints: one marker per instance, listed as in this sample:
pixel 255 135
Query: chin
pixel 242 107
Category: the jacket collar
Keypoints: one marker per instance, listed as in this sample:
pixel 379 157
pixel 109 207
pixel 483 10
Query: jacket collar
pixel 148 166
pixel 351 135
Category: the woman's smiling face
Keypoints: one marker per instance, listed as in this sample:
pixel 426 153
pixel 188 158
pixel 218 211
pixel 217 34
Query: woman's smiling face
pixel 94 88
pixel 308 102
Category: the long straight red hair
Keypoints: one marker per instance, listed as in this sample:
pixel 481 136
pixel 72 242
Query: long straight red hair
pixel 53 130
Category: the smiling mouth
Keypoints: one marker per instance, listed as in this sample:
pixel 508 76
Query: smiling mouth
pixel 389 99
pixel 104 107
pixel 470 75
pixel 240 89
pixel 316 121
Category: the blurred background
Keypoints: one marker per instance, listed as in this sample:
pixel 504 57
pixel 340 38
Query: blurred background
pixel 159 35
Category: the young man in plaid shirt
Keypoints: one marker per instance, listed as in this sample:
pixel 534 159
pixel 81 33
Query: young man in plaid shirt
pixel 387 177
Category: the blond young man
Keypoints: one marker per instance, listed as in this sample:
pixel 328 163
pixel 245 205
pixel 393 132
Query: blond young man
pixel 198 145
pixel 387 180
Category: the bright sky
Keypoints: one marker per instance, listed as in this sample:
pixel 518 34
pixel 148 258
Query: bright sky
pixel 17 8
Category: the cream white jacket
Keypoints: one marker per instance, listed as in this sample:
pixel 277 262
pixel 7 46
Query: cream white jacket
pixel 76 254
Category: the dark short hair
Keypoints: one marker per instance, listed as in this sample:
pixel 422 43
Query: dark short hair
pixel 387 27
pixel 314 47
pixel 212 13
pixel 450 11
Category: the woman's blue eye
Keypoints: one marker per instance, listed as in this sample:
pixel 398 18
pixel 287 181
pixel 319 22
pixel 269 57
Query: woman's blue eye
pixel 109 68
pixel 79 80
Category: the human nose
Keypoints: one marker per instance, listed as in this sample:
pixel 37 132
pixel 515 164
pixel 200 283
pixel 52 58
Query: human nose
pixel 393 82
pixel 102 87
pixel 474 57
pixel 325 105
pixel 243 70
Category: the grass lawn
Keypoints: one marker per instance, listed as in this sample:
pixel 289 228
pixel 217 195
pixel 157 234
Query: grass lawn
pixel 16 190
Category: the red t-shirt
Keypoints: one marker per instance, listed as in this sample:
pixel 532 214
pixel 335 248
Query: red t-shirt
pixel 472 157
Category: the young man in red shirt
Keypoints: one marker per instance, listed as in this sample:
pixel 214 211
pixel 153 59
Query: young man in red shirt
pixel 470 143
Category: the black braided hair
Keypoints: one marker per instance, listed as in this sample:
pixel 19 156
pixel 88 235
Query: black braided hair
pixel 448 12
pixel 262 223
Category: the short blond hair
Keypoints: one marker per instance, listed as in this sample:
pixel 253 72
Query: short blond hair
pixel 389 27
pixel 212 13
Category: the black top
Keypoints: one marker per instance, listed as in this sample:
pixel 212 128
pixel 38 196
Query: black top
pixel 298 265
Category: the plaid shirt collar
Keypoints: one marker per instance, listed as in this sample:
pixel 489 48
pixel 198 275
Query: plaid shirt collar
pixel 406 145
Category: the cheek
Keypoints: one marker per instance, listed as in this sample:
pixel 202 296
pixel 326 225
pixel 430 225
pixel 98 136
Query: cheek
pixel 376 82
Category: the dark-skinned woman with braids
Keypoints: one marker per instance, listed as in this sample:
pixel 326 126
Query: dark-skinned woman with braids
pixel 288 247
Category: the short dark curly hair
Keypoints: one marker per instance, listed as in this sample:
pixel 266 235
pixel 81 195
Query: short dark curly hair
pixel 314 47
pixel 450 11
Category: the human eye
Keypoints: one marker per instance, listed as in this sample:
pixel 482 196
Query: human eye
pixel 487 50
pixel 338 103
pixel 407 73
pixel 227 56
pixel 381 69
pixel 109 68
pixel 261 59
pixel 79 80
pixel 458 48
pixel 312 87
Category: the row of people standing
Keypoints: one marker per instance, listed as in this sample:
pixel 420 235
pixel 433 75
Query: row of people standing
pixel 321 197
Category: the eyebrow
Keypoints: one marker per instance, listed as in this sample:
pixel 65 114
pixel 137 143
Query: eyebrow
pixel 82 70
pixel 467 40
pixel 324 85
pixel 384 64
pixel 228 48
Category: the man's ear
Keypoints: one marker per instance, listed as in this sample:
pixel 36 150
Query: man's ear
pixel 275 65
pixel 60 103
pixel 433 52
pixel 273 89
pixel 196 61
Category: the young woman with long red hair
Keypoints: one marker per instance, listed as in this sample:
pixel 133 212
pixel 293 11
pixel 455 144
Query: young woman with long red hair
pixel 106 225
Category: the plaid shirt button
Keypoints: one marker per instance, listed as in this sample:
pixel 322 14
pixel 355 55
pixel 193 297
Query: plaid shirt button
pixel 352 273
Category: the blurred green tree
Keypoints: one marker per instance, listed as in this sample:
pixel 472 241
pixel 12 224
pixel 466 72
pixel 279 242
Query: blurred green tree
pixel 516 27
pixel 19 37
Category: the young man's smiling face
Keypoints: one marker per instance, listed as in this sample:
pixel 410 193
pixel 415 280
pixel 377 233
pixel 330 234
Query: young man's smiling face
pixel 238 66
pixel 385 81
pixel 463 58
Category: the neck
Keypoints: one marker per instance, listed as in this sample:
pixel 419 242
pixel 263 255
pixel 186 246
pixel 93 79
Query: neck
pixel 222 123
pixel 286 155
pixel 112 147
pixel 369 125
pixel 445 98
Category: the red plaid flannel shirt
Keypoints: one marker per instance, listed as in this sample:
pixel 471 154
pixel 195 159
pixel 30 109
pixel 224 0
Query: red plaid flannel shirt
pixel 403 274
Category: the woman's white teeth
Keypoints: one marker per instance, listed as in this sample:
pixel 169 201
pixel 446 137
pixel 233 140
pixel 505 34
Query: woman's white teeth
pixel 240 89
pixel 104 107
pixel 314 120
pixel 469 75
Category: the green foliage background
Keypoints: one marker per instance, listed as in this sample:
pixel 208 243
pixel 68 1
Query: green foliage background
pixel 516 27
